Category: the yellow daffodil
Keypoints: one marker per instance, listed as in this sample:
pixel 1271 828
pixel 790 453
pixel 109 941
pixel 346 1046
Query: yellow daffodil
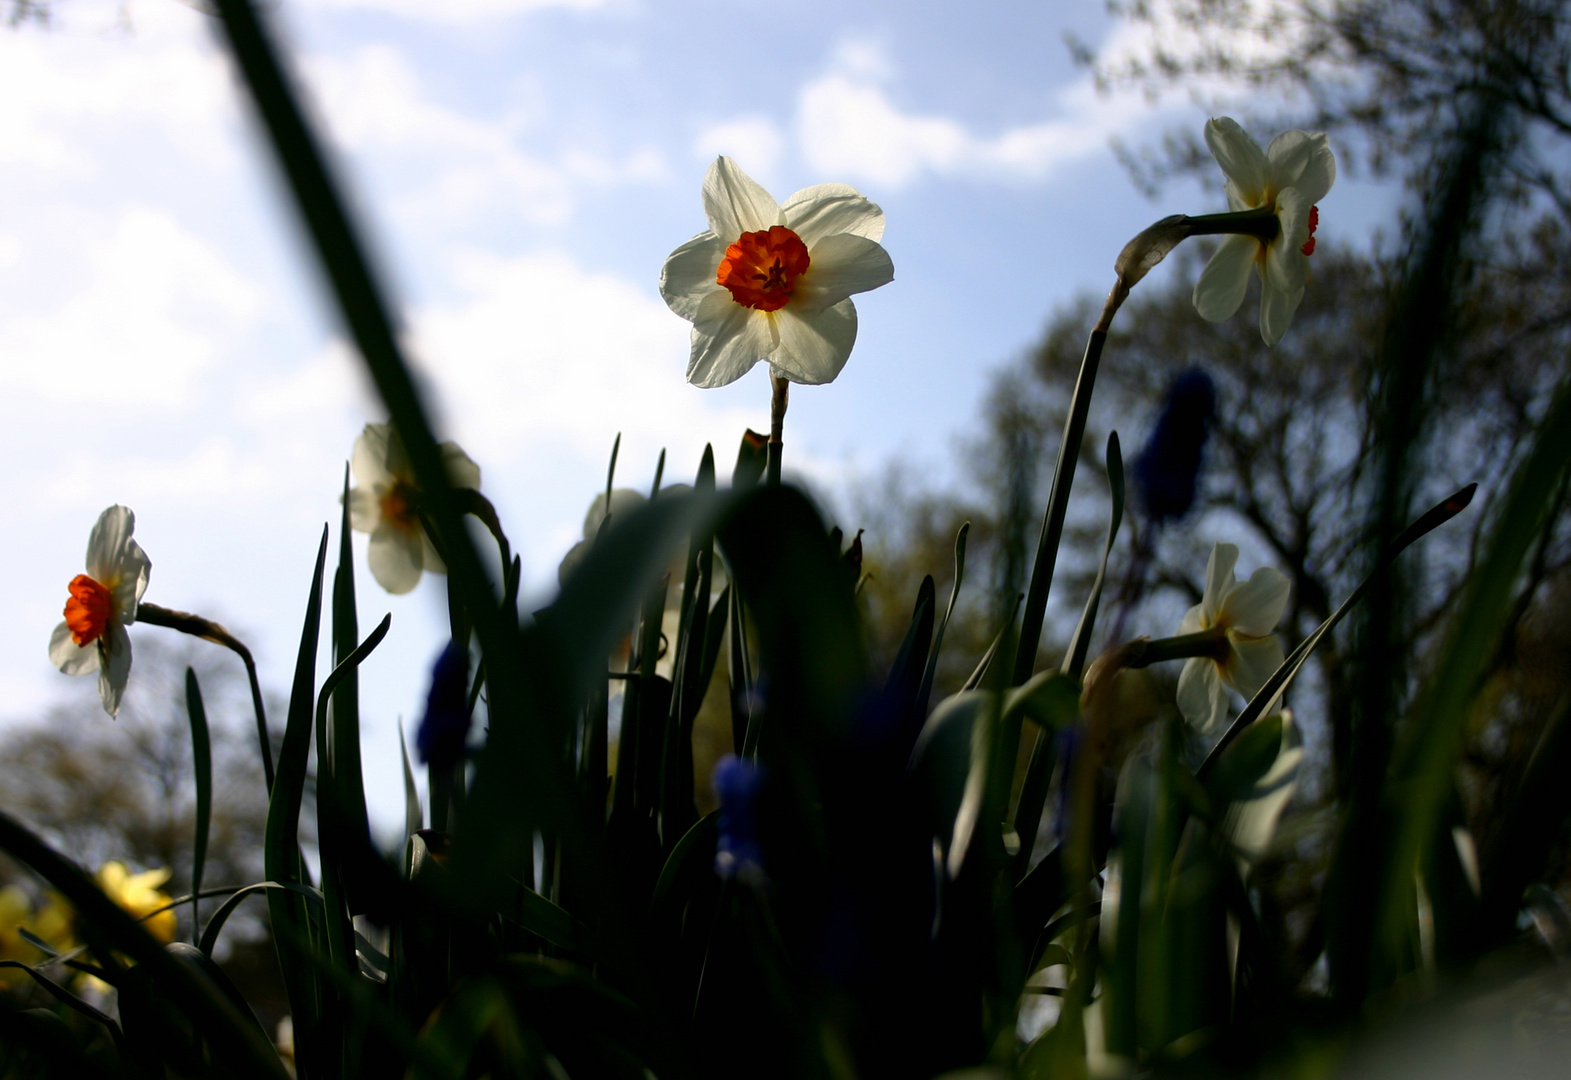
pixel 1289 177
pixel 1243 616
pixel 103 603
pixel 139 895
pixel 771 281
pixel 386 503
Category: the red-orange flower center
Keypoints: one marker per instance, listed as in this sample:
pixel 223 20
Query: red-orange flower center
pixel 1314 223
pixel 761 268
pixel 87 612
pixel 397 508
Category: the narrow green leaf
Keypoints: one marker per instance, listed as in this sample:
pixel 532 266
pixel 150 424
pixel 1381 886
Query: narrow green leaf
pixel 1075 660
pixel 414 815
pixel 281 850
pixel 925 691
pixel 202 767
pixel 215 925
pixel 70 1000
pixel 345 786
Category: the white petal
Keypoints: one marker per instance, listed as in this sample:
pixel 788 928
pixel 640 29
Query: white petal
pixel 1253 661
pixel 365 509
pixel 1219 580
pixel 396 558
pixel 689 273
pixel 462 472
pixel 1254 607
pixel 1202 699
pixel 131 581
pixel 1222 283
pixel 1276 312
pixel 1191 622
pixel 841 266
pixel 813 348
pixel 368 461
pixel 106 543
pixel 68 656
pixel 570 561
pixel 1240 157
pixel 114 669
pixel 1285 266
pixel 735 203
pixel 1302 159
pixel 1236 199
pixel 728 339
pixel 825 210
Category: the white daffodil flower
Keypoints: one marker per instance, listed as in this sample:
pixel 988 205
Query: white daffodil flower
pixel 1244 615
pixel 771 282
pixel 385 502
pixel 103 603
pixel 1293 174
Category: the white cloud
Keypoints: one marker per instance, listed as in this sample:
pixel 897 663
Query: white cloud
pixel 460 165
pixel 459 12
pixel 756 142
pixel 848 126
pixel 157 303
pixel 541 353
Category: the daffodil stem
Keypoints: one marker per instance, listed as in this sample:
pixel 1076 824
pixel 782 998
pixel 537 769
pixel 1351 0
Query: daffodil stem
pixel 208 630
pixel 1210 643
pixel 780 398
pixel 1261 223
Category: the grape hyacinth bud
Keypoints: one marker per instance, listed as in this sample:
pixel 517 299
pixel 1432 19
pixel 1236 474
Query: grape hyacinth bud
pixel 1167 470
pixel 444 729
pixel 737 852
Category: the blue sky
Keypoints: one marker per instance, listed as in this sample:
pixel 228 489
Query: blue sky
pixel 523 167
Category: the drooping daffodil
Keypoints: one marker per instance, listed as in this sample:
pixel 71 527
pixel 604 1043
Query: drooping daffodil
pixel 771 281
pixel 385 502
pixel 139 894
pixel 1243 616
pixel 1289 177
pixel 102 604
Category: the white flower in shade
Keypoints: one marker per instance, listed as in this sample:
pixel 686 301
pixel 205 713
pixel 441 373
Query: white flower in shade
pixel 385 502
pixel 1293 174
pixel 771 281
pixel 1245 614
pixel 103 603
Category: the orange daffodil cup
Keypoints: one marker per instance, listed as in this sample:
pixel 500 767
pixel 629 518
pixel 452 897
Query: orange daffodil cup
pixel 1286 180
pixel 772 281
pixel 1242 615
pixel 102 604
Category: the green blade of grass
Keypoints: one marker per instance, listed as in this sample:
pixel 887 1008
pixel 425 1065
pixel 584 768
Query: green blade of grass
pixel 924 692
pixel 202 767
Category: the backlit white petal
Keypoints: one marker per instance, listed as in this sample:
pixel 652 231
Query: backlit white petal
pixel 462 472
pixel 1226 277
pixel 1289 155
pixel 1254 607
pixel 623 502
pixel 68 656
pixel 813 348
pixel 728 339
pixel 689 274
pixel 1253 661
pixel 131 582
pixel 396 557
pixel 1286 267
pixel 106 543
pixel 1191 624
pixel 1319 172
pixel 1202 699
pixel 735 203
pixel 1219 581
pixel 825 210
pixel 114 667
pixel 842 266
pixel 1240 157
pixel 368 461
pixel 365 509
pixel 1276 312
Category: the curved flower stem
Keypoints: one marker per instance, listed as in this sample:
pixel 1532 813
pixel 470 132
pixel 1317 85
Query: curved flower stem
pixel 208 630
pixel 777 410
pixel 1211 643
